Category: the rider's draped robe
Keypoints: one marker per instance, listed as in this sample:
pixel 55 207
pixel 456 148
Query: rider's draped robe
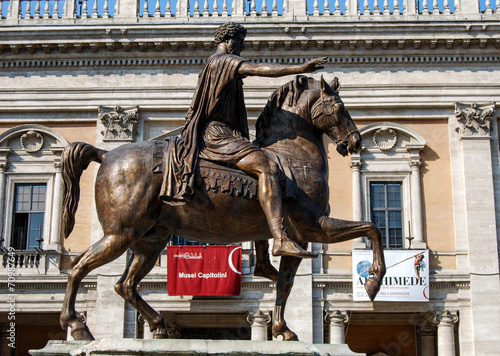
pixel 216 127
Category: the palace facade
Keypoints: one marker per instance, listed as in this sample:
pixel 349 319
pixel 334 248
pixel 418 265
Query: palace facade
pixel 419 78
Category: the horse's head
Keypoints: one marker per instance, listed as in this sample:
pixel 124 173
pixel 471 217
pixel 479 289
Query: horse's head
pixel 329 115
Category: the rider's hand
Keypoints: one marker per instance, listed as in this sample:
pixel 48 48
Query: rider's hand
pixel 314 64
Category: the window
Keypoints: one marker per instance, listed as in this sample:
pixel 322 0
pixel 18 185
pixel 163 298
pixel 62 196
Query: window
pixel 30 188
pixel 386 184
pixel 177 240
pixel 386 211
pixel 28 217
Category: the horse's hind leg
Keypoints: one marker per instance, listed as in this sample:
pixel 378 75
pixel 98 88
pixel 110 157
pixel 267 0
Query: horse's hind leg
pixel 337 230
pixel 105 250
pixel 288 269
pixel 145 255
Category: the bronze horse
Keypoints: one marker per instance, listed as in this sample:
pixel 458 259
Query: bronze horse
pixel 132 216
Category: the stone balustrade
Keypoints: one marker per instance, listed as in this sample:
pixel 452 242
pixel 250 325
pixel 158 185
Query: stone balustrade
pixel 29 262
pixel 24 12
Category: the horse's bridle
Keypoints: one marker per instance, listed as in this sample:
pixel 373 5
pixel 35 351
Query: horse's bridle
pixel 327 109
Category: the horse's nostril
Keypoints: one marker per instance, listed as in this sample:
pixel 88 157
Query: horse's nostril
pixel 357 145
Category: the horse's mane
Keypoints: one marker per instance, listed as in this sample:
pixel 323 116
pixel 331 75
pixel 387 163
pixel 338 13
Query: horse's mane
pixel 288 94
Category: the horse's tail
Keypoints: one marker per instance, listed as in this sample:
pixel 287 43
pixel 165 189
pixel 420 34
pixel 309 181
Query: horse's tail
pixel 75 158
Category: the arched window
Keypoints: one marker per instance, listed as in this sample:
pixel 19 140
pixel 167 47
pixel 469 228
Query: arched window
pixel 386 184
pixel 30 187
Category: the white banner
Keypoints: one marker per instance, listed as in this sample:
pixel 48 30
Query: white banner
pixel 406 280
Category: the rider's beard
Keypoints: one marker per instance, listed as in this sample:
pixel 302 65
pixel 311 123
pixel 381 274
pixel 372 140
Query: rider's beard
pixel 233 50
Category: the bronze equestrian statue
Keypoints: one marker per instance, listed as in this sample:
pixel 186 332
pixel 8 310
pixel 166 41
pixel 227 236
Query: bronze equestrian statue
pixel 200 183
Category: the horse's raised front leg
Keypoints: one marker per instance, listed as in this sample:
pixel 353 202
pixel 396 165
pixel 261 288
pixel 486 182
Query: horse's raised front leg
pixel 288 269
pixel 104 251
pixel 144 257
pixel 337 230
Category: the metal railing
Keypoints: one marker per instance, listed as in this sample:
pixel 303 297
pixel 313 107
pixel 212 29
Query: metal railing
pixel 61 11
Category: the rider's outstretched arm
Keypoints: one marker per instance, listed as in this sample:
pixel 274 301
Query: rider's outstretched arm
pixel 279 70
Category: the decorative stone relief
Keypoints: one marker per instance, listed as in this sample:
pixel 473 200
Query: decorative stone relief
pixel 473 119
pixel 336 317
pixel 426 327
pixel 259 317
pixel 385 138
pixel 445 318
pixel 119 123
pixel 32 141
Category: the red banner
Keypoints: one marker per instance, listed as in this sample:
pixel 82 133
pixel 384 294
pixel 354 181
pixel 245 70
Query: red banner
pixel 204 270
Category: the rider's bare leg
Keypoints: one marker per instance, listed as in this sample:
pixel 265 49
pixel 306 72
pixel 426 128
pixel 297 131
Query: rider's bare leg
pixel 269 193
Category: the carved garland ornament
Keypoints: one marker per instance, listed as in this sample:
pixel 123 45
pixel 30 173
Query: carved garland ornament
pixel 385 138
pixel 474 120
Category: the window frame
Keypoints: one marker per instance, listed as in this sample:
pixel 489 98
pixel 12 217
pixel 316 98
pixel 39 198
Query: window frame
pixel 378 177
pixel 27 215
pixel 391 151
pixel 22 178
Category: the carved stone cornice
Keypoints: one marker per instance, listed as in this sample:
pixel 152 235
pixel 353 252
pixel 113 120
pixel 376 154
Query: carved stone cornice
pixel 474 120
pixel 413 37
pixel 198 60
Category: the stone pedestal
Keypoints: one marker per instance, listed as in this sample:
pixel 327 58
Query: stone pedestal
pixel 109 306
pixel 301 295
pixel 122 347
pixel 337 320
pixel 258 321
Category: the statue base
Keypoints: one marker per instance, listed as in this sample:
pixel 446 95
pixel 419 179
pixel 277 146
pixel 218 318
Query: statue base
pixel 185 347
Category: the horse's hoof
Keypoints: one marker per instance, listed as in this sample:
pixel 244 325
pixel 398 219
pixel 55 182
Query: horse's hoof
pixel 372 288
pixel 290 336
pixel 82 334
pixel 160 334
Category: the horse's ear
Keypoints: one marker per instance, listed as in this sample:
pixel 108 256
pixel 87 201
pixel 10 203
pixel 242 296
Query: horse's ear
pixel 335 84
pixel 325 88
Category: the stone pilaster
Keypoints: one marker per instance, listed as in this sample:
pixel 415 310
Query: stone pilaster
pixel 357 206
pixel 3 168
pixel 477 171
pixel 299 311
pixel 55 238
pixel 110 309
pixel 446 337
pixel 258 321
pixel 426 332
pixel 416 205
pixel 337 320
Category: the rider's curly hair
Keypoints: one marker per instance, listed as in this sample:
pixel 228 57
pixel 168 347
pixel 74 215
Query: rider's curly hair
pixel 228 31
